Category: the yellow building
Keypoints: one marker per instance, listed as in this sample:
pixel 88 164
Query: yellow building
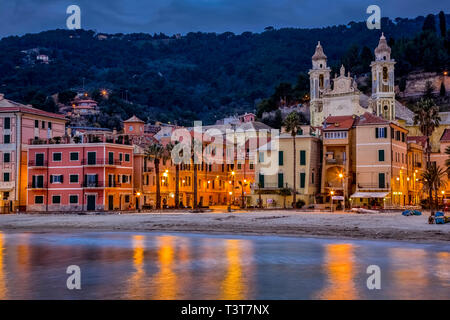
pixel 275 170
pixel 338 159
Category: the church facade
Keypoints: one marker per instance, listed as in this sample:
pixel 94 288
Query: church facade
pixel 339 95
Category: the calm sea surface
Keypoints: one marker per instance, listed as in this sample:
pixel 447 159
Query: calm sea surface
pixel 123 265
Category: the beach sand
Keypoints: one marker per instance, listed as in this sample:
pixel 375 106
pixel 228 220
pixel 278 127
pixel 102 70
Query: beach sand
pixel 388 226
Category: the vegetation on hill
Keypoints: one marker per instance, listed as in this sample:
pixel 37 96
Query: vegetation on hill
pixel 201 75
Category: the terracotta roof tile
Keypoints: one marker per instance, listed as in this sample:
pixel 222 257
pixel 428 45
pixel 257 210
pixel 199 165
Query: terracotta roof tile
pixel 338 123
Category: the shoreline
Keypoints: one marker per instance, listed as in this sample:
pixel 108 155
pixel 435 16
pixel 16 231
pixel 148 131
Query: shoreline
pixel 348 226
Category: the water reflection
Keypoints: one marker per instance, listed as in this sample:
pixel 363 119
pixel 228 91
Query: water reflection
pixel 340 269
pixel 3 289
pixel 166 287
pixel 234 286
pixel 183 266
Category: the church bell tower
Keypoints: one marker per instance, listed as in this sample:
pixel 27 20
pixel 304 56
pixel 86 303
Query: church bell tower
pixel 383 95
pixel 319 77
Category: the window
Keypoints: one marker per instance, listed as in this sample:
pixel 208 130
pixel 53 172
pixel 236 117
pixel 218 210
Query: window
pixel 43 124
pixel 50 125
pixel 312 177
pixel 239 166
pixel 7 123
pixel 120 157
pixel 6 176
pixel 261 180
pixel 7 157
pixel 127 157
pixel 56 199
pixel 38 199
pixel 73 199
pixel 127 198
pixel 73 178
pixel 5 195
pixel 39 159
pixel 397 135
pixel 403 137
pixel 336 135
pixel 92 157
pixel 36 123
pixel 302 157
pixel 251 165
pixel 6 138
pixel 392 133
pixel 261 157
pixel 380 133
pixel 380 155
pixel 280 180
pixel 381 181
pixel 57 156
pixel 37 181
pixel 111 157
pixel 302 179
pixel 280 158
pixel 74 156
pixel 56 178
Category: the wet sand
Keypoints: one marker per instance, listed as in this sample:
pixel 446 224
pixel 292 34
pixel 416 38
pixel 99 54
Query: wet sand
pixel 388 226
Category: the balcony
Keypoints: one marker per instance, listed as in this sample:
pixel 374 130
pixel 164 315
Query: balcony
pixel 37 186
pixel 37 164
pixel 114 185
pixel 333 161
pixel 93 162
pixel 93 184
pixel 7 185
pixel 372 186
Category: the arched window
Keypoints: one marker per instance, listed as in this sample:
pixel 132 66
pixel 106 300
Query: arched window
pixel 385 74
pixel 321 81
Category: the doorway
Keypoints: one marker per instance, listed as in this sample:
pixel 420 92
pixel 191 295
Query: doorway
pixel 91 202
pixel 111 202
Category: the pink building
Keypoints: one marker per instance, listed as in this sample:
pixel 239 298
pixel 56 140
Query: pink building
pixel 19 125
pixel 78 177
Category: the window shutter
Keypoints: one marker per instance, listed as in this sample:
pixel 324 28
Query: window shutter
pixel 62 178
pixel 376 132
pixel 302 179
pixel 51 178
pixel 302 157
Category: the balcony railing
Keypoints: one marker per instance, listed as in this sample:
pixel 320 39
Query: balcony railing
pixel 113 184
pixel 93 184
pixel 334 161
pixel 37 186
pixel 372 186
pixel 34 163
pixel 93 162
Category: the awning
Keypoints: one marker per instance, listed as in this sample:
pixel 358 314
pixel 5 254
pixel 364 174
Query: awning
pixel 337 198
pixel 369 195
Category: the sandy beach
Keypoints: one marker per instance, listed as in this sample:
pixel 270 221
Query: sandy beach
pixel 388 226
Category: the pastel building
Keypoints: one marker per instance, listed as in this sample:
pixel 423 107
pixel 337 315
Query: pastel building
pixel 19 126
pixel 267 186
pixel 80 177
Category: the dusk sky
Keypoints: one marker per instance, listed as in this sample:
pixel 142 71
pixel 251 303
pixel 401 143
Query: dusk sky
pixel 18 17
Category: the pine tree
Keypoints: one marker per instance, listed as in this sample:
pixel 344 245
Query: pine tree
pixel 429 23
pixel 442 24
pixel 442 90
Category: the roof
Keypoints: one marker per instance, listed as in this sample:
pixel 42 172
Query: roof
pixel 422 140
pixel 370 119
pixel 319 54
pixel 403 112
pixel 134 119
pixel 338 123
pixel 11 106
pixel 446 135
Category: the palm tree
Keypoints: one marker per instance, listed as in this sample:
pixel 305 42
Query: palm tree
pixel 428 119
pixel 155 152
pixel 292 124
pixel 439 182
pixel 169 148
pixel 284 192
pixel 433 180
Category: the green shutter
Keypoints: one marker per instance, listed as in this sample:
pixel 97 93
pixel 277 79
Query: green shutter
pixel 280 180
pixel 381 182
pixel 261 180
pixel 380 155
pixel 280 158
pixel 302 179
pixel 302 157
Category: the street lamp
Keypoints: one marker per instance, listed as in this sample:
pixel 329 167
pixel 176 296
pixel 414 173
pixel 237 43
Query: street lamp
pixel 341 176
pixel 331 200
